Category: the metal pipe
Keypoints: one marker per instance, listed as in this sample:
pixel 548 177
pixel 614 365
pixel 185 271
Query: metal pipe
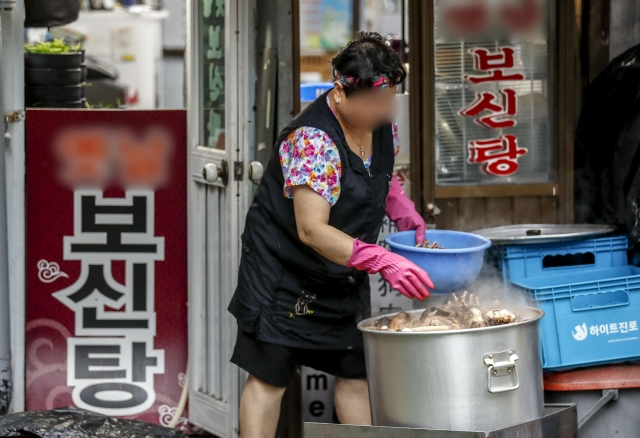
pixel 6 386
pixel 183 401
pixel 403 39
pixel 607 396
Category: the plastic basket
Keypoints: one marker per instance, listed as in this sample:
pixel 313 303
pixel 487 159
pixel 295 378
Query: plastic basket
pixel 310 92
pixel 527 261
pixel 591 318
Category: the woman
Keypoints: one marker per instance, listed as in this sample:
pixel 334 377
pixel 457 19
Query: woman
pixel 309 240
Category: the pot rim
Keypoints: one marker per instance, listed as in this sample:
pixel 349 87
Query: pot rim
pixel 361 325
pixel 486 243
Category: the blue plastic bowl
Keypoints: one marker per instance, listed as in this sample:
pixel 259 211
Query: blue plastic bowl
pixel 450 269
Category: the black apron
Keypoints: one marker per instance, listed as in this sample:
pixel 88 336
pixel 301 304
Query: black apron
pixel 288 293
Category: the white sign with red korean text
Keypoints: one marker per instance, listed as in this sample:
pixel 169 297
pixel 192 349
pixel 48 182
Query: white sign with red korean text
pixel 493 92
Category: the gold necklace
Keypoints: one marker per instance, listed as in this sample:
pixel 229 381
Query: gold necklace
pixel 354 139
pixel 361 144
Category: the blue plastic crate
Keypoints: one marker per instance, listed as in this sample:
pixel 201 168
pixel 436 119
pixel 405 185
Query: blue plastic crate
pixel 591 318
pixel 529 261
pixel 310 92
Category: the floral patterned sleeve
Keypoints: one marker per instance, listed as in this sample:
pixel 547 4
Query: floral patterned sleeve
pixel 309 156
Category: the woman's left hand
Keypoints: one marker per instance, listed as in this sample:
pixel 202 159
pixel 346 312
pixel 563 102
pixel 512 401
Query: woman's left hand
pixel 402 211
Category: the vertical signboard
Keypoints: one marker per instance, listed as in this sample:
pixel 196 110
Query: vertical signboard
pixel 317 396
pixel 384 299
pixel 107 261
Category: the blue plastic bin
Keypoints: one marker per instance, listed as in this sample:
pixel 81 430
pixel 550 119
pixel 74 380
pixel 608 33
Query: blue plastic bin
pixel 590 318
pixel 528 261
pixel 450 269
pixel 310 92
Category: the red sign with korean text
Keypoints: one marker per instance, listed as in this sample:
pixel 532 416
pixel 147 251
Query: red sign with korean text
pixel 498 156
pixel 107 261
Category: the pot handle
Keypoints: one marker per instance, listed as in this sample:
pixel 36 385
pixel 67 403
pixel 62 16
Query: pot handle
pixel 497 370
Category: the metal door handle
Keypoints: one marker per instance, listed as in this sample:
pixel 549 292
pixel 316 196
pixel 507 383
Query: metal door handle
pixel 256 170
pixel 214 173
pixel 210 172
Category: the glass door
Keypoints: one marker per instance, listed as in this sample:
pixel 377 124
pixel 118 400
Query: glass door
pixel 219 114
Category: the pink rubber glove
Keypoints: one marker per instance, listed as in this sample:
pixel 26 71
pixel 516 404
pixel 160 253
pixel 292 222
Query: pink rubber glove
pixel 400 273
pixel 402 211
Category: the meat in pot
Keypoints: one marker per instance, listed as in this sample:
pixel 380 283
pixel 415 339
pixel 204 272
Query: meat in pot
pixel 426 244
pixel 460 312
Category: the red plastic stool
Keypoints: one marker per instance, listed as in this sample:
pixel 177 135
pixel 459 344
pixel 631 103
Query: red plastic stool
pixel 608 378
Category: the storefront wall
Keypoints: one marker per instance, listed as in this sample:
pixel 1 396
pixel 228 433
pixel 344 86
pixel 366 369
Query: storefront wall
pixel 220 69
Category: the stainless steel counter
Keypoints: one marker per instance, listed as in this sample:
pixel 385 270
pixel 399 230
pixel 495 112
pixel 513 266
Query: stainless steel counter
pixel 559 421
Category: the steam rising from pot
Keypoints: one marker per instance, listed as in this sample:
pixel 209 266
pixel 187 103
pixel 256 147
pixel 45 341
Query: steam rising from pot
pixel 486 302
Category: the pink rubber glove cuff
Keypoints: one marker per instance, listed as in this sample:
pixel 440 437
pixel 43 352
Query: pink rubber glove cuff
pixel 400 273
pixel 402 211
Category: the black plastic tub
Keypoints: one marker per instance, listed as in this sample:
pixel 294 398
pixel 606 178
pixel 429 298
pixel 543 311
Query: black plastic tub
pixel 54 93
pixel 57 60
pixel 53 76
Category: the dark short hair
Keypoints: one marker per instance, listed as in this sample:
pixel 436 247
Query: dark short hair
pixel 365 57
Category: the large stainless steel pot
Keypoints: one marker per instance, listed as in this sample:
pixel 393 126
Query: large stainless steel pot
pixel 465 380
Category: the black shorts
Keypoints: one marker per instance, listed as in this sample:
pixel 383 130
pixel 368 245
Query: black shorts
pixel 275 364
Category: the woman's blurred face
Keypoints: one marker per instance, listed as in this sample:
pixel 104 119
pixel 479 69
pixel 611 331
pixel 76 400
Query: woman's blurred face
pixel 367 109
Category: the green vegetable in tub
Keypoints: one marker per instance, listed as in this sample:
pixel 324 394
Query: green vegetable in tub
pixel 57 46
